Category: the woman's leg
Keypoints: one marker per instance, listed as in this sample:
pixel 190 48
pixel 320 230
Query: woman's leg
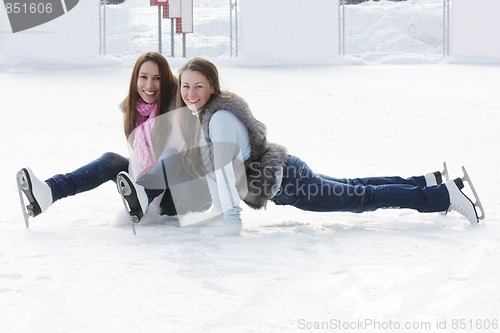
pixel 419 181
pixel 167 205
pixel 429 179
pixel 308 191
pixel 87 177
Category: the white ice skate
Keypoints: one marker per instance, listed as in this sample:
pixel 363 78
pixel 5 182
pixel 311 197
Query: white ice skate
pixel 459 202
pixel 36 191
pixel 436 178
pixel 133 196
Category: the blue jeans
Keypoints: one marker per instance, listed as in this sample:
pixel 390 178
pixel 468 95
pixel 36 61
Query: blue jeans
pixel 96 173
pixel 306 190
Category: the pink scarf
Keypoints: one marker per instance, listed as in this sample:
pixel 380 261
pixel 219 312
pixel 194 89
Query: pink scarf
pixel 142 140
pixel 145 111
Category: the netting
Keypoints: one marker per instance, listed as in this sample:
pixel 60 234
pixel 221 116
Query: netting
pixel 131 27
pixel 381 28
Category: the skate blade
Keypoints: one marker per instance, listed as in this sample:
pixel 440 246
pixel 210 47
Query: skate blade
pixel 478 203
pixel 132 224
pixel 22 185
pixel 445 172
pixel 133 219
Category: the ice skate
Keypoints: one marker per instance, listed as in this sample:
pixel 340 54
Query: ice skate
pixel 436 178
pixel 459 202
pixel 36 191
pixel 133 196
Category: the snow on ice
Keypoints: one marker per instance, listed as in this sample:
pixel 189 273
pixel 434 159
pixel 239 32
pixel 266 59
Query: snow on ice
pixel 79 268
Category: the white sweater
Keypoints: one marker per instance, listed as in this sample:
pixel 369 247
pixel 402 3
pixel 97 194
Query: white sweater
pixel 231 146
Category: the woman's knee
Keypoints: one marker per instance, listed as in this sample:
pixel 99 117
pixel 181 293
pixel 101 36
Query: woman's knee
pixel 115 160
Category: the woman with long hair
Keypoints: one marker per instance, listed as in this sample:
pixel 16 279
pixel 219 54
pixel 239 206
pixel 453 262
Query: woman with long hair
pixel 241 164
pixel 151 94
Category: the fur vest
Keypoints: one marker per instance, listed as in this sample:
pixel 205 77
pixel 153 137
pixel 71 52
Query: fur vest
pixel 266 159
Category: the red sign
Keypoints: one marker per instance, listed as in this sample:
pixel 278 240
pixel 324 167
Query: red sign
pixel 158 3
pixel 166 11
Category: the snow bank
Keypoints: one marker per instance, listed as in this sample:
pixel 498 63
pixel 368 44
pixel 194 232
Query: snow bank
pixel 79 268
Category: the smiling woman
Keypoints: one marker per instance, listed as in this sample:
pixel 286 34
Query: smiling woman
pixel 148 84
pixel 195 90
pixel 241 164
pixel 152 92
pixel 149 71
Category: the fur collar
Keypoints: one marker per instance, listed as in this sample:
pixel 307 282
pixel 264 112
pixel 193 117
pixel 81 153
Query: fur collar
pixel 266 159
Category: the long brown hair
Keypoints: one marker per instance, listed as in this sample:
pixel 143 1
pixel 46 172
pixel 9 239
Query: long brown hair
pixel 210 72
pixel 192 132
pixel 168 90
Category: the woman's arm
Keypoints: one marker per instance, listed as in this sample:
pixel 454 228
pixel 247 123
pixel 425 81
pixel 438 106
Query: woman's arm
pixel 230 141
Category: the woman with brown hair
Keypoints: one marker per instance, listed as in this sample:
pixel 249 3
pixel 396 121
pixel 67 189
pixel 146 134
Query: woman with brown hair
pixel 152 92
pixel 241 164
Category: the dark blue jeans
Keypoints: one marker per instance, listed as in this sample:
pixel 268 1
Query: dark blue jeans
pixel 96 173
pixel 306 190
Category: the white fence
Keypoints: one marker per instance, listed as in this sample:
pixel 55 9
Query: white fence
pixel 295 29
pixel 131 27
pixel 365 29
pixel 371 29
